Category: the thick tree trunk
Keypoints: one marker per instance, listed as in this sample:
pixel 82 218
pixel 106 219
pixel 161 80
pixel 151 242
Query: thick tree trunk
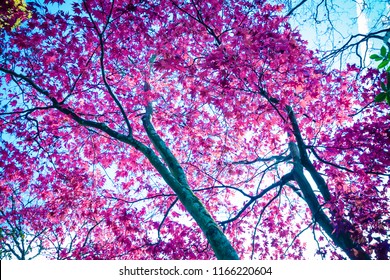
pixel 340 237
pixel 176 178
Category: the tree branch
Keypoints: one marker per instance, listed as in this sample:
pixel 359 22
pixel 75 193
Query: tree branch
pixel 176 180
pixel 286 178
pixel 165 216
pixel 340 236
pixel 296 7
pixel 103 71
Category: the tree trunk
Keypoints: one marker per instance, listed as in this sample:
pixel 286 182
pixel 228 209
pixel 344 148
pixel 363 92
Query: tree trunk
pixel 340 237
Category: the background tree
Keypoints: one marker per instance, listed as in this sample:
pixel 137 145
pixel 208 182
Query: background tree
pixel 343 31
pixel 185 130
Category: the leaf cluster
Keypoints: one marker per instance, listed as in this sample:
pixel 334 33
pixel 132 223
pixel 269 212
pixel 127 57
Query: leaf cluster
pixel 384 58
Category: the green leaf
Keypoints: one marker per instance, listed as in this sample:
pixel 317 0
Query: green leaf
pixel 383 51
pixel 388 79
pixel 383 86
pixel 380 97
pixel 388 98
pixel 383 64
pixel 375 57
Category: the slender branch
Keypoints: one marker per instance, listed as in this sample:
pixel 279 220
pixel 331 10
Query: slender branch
pixel 36 236
pixel 27 111
pixel 285 179
pixel 200 20
pixel 296 236
pixel 278 159
pixel 341 167
pixel 296 7
pixel 90 231
pixel 261 216
pixel 165 216
pixel 103 71
pixel 225 187
pixel 139 200
pixel 128 139
pixel 348 44
pixel 10 249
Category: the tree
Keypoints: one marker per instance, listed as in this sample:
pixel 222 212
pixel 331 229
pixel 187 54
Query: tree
pixel 384 58
pixel 185 130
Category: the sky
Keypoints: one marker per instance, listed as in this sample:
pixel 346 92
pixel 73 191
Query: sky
pixel 348 18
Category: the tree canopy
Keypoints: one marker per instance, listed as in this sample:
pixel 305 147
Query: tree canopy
pixel 184 129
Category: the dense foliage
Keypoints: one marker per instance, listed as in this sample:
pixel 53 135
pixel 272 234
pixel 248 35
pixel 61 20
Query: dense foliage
pixel 176 129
